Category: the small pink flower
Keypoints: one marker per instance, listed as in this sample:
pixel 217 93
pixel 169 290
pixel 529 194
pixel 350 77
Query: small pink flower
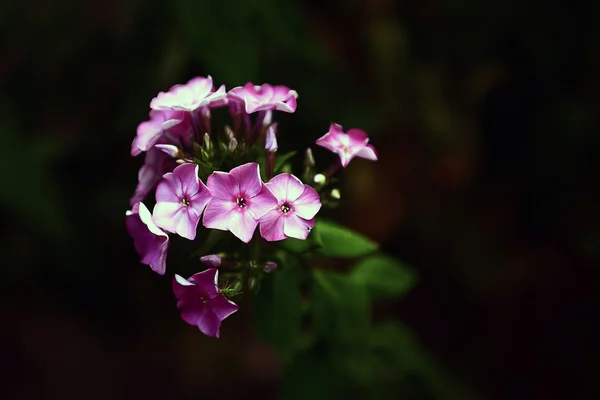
pixel 198 92
pixel 156 164
pixel 265 97
pixel 297 205
pixel 347 145
pixel 200 302
pixel 239 200
pixel 180 199
pixel 151 131
pixel 149 240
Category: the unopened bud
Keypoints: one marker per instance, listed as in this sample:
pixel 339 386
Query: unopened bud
pixel 335 194
pixel 309 160
pixel 271 139
pixel 168 149
pixel 207 142
pixel 212 260
pixel 232 144
pixel 320 179
pixel 229 133
pixel 270 266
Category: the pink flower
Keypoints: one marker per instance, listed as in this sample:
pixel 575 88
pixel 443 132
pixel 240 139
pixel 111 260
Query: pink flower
pixel 347 145
pixel 151 131
pixel 155 165
pixel 180 199
pixel 198 92
pixel 297 205
pixel 265 97
pixel 148 239
pixel 239 200
pixel 200 302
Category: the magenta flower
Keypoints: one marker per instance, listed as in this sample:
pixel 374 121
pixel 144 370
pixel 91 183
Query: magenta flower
pixel 149 240
pixel 198 92
pixel 200 302
pixel 297 205
pixel 180 199
pixel 156 164
pixel 239 200
pixel 151 131
pixel 347 145
pixel 265 97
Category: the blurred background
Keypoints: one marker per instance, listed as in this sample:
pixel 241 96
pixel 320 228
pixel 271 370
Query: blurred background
pixel 485 115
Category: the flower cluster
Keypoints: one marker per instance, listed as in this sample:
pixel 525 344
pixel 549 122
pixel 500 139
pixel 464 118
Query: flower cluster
pixel 198 173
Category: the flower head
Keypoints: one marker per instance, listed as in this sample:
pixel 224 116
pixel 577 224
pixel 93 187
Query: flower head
pixel 148 239
pixel 151 131
pixel 347 145
pixel 297 205
pixel 239 200
pixel 200 302
pixel 264 97
pixel 198 92
pixel 180 199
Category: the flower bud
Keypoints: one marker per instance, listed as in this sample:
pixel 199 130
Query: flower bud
pixel 320 179
pixel 232 144
pixel 335 194
pixel 270 266
pixel 309 160
pixel 207 142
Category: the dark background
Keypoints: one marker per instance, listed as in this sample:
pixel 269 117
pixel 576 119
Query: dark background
pixel 485 115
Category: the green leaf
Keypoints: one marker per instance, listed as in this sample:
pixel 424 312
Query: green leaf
pixel 408 368
pixel 383 276
pixel 339 241
pixel 282 159
pixel 341 308
pixel 278 309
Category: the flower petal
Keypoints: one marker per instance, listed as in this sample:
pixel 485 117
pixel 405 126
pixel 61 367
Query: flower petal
pixel 308 204
pixel 209 323
pixel 206 282
pixel 151 243
pixel 223 307
pixel 286 187
pixel 188 223
pixel 223 186
pixel 187 174
pixel 242 225
pixel 167 215
pixel 368 152
pixel 248 178
pixel 262 202
pixel 297 227
pixel 218 214
pixel 271 226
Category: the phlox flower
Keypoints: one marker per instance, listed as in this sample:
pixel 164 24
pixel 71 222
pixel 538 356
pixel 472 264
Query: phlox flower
pixel 180 199
pixel 239 200
pixel 198 92
pixel 200 302
pixel 149 240
pixel 347 145
pixel 161 121
pixel 297 205
pixel 264 97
